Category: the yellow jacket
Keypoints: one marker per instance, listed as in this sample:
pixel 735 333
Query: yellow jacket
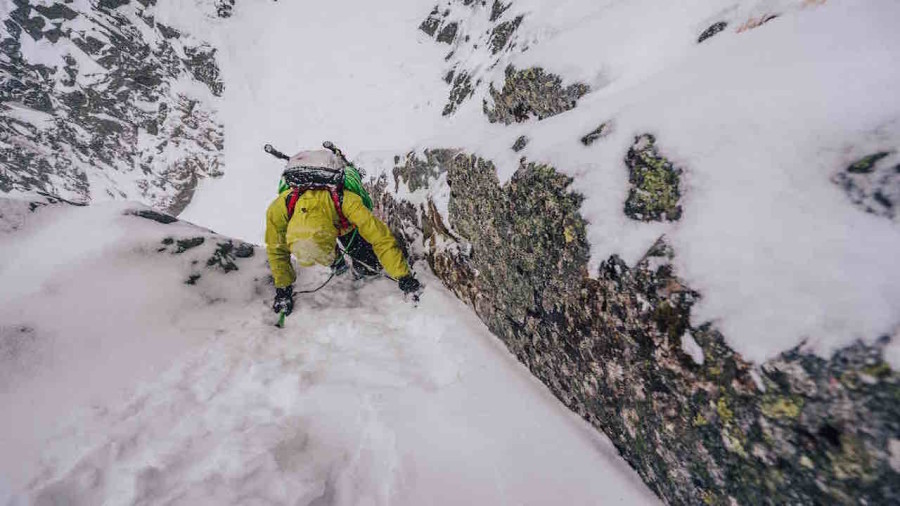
pixel 313 230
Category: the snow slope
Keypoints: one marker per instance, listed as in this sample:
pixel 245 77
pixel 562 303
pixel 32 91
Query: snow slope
pixel 760 118
pixel 122 384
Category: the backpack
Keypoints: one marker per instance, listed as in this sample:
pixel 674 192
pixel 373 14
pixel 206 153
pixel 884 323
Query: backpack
pixel 322 170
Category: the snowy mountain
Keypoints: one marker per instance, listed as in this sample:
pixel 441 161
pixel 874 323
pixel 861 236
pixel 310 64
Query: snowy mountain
pixel 680 217
pixel 101 100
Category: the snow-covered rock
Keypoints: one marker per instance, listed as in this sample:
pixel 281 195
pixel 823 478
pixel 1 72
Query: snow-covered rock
pixel 99 100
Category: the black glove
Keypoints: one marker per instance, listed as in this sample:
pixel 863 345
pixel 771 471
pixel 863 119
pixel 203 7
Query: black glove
pixel 410 285
pixel 284 300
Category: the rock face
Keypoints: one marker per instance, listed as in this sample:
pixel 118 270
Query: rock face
pixel 531 93
pixel 476 33
pixel 95 103
pixel 700 427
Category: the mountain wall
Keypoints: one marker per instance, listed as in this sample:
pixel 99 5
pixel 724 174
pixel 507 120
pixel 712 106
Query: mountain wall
pixel 697 420
pixel 99 100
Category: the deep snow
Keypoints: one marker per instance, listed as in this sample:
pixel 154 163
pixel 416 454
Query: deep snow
pixel 130 386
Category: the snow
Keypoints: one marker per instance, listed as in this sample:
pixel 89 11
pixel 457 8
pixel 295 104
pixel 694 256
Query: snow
pixel 155 391
pixel 691 348
pixel 759 117
pixel 131 386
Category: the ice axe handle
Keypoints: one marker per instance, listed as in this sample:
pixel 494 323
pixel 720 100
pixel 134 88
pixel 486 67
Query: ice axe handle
pixel 274 152
pixel 336 150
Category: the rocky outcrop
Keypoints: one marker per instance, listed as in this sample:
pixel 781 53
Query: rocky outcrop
pixel 475 32
pixel 655 183
pixel 699 423
pixel 93 105
pixel 531 93
pixel 873 184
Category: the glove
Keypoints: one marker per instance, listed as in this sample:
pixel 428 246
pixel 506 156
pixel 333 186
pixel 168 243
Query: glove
pixel 284 300
pixel 410 286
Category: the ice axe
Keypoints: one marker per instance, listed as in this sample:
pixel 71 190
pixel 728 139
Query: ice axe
pixel 274 152
pixel 336 150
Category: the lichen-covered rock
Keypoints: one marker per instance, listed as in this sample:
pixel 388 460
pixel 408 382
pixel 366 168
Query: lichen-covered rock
pixel 531 93
pixel 797 430
pixel 655 183
pixel 873 184
pixel 416 173
pixel 116 129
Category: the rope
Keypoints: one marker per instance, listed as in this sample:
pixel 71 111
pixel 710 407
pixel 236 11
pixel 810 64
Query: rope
pixel 377 272
pixel 320 286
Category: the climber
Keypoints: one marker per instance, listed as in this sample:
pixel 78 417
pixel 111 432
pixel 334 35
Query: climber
pixel 322 212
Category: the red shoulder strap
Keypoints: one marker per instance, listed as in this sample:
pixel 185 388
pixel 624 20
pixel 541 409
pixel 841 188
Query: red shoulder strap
pixel 339 208
pixel 292 202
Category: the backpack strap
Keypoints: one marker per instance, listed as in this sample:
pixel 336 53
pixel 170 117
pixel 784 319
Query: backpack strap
pixel 292 202
pixel 338 200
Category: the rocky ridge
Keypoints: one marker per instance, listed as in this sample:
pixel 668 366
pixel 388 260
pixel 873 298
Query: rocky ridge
pixel 481 37
pixel 101 101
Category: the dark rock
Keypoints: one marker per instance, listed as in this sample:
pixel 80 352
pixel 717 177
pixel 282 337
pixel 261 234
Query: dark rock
pixel 502 33
pixel 866 164
pixel 431 23
pixel 520 143
pixel 497 9
pixel 192 279
pixel 186 244
pixel 148 214
pixel 531 93
pixel 459 92
pixel 224 8
pixel 448 33
pixel 113 4
pixel 202 64
pixel 599 132
pixel 244 250
pixel 167 32
pixel 56 11
pixel 712 30
pixel 655 183
pixel 226 253
pixel 610 349
pixel 872 186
